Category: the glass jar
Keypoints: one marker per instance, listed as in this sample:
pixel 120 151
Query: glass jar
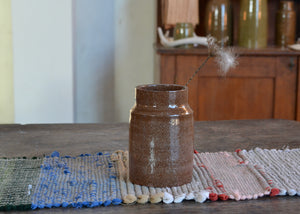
pixel 183 30
pixel 285 24
pixel 253 25
pixel 218 21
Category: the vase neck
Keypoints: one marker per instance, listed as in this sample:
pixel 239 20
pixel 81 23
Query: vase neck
pixel 286 5
pixel 161 95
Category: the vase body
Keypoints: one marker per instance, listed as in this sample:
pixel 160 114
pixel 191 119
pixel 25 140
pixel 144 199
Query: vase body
pixel 161 137
pixel 285 24
pixel 183 30
pixel 218 21
pixel 253 25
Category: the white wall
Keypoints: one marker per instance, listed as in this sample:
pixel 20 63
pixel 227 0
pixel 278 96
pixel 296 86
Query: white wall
pixel 94 60
pixel 114 52
pixel 6 64
pixel 43 64
pixel 80 60
pixel 134 51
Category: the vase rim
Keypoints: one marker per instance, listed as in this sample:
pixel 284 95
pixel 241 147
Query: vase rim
pixel 156 88
pixel 184 24
pixel 286 5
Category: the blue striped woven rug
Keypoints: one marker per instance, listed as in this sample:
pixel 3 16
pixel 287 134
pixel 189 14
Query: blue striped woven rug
pixel 83 181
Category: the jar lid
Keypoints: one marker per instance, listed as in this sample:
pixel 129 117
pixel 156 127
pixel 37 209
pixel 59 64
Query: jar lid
pixel 184 25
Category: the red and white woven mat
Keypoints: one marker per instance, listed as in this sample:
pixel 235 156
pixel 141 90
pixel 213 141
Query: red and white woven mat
pixel 238 175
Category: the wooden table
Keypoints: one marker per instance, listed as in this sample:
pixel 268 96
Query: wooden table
pixel 74 139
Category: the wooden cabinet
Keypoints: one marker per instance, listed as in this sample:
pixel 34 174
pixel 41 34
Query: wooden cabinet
pixel 264 85
pixel 298 93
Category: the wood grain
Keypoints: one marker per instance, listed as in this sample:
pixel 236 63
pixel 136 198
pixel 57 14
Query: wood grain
pixel 210 136
pixel 235 98
pixel 289 205
pixel 298 92
pixel 260 87
pixel 185 68
pixel 73 139
pixel 247 67
pixel 285 88
pixel 167 63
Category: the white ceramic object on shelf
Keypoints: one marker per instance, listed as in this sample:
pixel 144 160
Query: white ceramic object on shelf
pixel 170 42
pixel 295 47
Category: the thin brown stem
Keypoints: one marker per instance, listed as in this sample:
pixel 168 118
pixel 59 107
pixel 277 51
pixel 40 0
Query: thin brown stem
pixel 198 69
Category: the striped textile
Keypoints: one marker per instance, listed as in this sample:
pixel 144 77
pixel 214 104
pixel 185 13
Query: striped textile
pixel 280 168
pixel 221 175
pixel 83 181
pixel 18 177
pixel 102 179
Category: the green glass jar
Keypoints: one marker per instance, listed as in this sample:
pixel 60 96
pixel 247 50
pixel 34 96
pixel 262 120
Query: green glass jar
pixel 218 20
pixel 183 30
pixel 253 25
pixel 285 24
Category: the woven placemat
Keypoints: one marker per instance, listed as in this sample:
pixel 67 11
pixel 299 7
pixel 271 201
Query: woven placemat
pixel 83 181
pixel 18 177
pixel 102 179
pixel 221 175
pixel 280 168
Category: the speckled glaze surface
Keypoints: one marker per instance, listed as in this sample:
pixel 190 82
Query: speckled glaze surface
pixel 285 24
pixel 161 136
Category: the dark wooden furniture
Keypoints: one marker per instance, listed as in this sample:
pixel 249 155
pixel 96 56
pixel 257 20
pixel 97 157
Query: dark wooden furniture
pixel 264 85
pixel 210 136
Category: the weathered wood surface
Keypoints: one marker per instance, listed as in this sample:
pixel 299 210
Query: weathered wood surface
pixel 211 136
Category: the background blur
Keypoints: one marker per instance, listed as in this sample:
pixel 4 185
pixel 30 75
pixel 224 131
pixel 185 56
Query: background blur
pixel 65 61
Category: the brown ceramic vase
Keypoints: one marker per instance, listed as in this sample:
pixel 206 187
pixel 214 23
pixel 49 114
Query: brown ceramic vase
pixel 161 136
pixel 285 24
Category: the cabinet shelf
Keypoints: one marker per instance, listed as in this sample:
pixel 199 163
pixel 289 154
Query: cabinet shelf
pixel 200 50
pixel 272 9
pixel 265 84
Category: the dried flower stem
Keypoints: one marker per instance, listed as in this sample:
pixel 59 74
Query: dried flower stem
pixel 224 57
pixel 196 72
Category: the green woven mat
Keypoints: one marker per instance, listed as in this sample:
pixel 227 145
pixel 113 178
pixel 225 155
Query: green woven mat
pixel 17 178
